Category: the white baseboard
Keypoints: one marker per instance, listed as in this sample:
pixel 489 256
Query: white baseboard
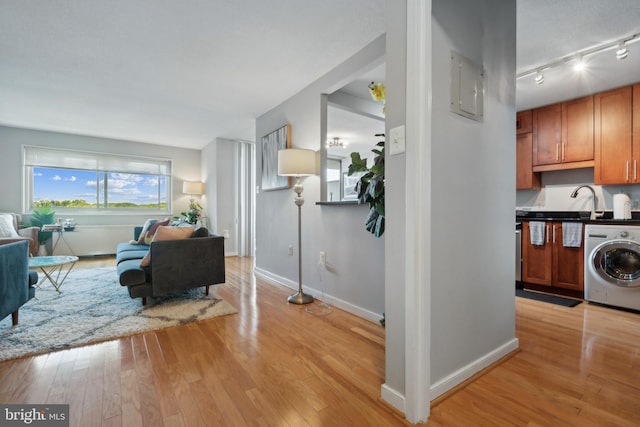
pixel 329 299
pixel 393 397
pixel 397 399
pixel 472 368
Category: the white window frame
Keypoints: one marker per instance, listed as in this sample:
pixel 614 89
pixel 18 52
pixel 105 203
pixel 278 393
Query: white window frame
pixel 47 157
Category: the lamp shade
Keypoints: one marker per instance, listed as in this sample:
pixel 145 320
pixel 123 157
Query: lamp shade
pixel 296 162
pixel 191 187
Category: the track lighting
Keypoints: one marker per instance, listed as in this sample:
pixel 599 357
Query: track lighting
pixel 578 58
pixel 622 51
pixel 539 77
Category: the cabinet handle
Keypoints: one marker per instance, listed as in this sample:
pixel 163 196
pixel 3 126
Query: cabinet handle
pixel 635 170
pixel 563 151
pixel 554 235
pixel 547 233
pixel 557 149
pixel 626 177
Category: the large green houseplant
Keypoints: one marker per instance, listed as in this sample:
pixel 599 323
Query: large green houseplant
pixel 370 186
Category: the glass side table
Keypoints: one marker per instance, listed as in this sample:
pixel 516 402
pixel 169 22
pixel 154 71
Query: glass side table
pixel 52 268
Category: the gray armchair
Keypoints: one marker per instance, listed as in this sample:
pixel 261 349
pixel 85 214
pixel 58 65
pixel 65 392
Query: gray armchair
pixel 29 234
pixel 16 280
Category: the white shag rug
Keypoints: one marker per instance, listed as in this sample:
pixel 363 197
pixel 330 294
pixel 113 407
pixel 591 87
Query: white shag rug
pixel 94 307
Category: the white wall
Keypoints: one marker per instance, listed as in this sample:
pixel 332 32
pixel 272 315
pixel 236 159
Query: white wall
pixel 395 200
pixel 354 278
pixel 186 167
pixel 209 161
pixel 461 206
pixel 558 185
pixel 473 165
pixel 227 194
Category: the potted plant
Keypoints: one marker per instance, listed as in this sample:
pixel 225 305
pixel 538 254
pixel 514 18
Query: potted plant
pixel 40 216
pixel 193 215
pixel 370 186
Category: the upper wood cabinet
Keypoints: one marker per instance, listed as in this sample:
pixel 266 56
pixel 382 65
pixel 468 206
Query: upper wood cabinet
pixel 577 130
pixel 617 150
pixel 524 122
pixel 547 135
pixel 563 134
pixel 526 178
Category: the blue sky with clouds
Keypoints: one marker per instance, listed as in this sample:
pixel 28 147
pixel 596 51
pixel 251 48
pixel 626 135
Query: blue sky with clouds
pixel 62 184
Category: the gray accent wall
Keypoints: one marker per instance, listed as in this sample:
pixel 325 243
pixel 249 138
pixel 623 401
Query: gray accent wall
pixel 354 277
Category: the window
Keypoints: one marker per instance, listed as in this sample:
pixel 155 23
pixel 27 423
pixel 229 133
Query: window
pixel 85 182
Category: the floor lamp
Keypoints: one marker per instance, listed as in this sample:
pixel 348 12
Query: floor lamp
pixel 298 163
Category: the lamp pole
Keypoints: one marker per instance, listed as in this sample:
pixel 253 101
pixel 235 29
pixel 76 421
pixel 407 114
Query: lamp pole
pixel 299 297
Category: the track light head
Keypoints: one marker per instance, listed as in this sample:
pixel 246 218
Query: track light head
pixel 621 51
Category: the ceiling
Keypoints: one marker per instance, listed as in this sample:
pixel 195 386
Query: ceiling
pixel 177 73
pixel 550 30
pixel 184 73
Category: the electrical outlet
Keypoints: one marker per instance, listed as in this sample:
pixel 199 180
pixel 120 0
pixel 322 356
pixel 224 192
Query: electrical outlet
pixel 225 233
pixel 323 259
pixel 290 250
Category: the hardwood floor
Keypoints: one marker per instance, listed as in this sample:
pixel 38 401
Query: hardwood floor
pixel 275 364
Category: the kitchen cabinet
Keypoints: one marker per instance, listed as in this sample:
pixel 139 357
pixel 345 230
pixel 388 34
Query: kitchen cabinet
pixel 524 122
pixel 563 135
pixel 547 134
pixel 552 264
pixel 577 130
pixel 617 147
pixel 526 178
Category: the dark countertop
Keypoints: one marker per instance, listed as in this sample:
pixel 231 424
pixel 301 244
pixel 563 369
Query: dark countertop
pixel 581 216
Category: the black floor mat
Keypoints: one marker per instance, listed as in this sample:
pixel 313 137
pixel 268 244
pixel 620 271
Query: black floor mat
pixel 553 299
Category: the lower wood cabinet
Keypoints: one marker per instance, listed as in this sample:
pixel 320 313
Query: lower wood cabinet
pixel 552 264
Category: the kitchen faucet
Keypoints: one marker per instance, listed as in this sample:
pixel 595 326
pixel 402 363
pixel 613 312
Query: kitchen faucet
pixel 594 214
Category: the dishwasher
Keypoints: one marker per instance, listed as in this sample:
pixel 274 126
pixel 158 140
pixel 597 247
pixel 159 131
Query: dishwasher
pixel 519 283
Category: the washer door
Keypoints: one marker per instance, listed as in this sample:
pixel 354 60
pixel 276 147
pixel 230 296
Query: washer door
pixel 618 262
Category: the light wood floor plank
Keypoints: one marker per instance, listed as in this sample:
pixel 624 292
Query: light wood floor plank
pixel 274 364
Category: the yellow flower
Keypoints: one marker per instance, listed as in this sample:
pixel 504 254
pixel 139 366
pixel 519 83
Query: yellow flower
pixel 378 91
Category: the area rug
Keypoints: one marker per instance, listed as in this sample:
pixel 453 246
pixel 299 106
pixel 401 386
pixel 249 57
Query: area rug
pixel 552 299
pixel 93 307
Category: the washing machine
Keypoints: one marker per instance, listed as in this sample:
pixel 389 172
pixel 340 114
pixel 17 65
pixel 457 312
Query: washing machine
pixel 612 265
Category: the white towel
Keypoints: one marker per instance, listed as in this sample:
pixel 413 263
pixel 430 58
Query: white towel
pixel 571 234
pixel 536 232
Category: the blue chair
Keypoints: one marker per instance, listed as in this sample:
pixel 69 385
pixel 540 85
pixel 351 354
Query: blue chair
pixel 16 280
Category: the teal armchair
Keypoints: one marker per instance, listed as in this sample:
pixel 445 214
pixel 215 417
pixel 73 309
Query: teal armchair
pixel 16 280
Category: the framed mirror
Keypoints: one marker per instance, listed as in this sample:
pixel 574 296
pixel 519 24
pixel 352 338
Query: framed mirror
pixel 350 120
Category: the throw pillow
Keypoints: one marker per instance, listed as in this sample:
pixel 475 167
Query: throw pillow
pixel 148 238
pixel 201 232
pixel 6 226
pixel 148 223
pixel 167 233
